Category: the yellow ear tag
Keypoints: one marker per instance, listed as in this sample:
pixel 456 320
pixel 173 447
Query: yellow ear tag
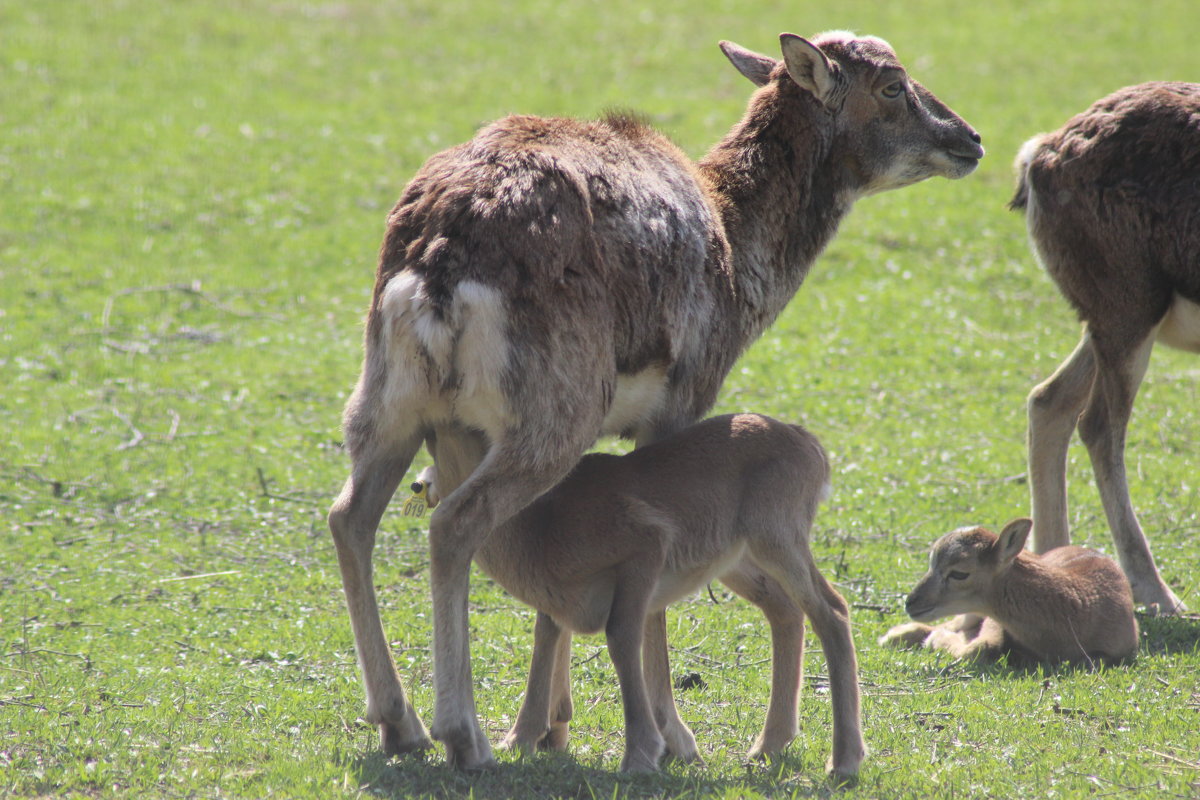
pixel 415 506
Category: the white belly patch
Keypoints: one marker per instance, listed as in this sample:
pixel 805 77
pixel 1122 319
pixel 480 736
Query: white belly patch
pixel 638 398
pixel 1180 328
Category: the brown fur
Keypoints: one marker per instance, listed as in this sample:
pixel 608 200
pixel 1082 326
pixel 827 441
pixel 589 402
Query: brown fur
pixel 1112 201
pixel 1070 604
pixel 551 280
pixel 623 536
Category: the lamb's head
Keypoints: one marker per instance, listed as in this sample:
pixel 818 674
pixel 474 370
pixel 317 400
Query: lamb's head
pixel 964 568
pixel 427 481
pixel 889 130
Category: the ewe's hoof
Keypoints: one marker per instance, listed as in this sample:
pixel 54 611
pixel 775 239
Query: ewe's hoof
pixel 466 747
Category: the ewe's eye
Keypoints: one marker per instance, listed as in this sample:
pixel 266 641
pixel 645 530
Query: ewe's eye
pixel 893 90
pixel 955 575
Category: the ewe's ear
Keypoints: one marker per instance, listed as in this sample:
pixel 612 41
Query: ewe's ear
pixel 809 67
pixel 754 66
pixel 1012 539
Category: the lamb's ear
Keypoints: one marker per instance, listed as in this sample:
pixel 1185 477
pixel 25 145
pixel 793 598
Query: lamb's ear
pixel 754 66
pixel 1012 539
pixel 809 67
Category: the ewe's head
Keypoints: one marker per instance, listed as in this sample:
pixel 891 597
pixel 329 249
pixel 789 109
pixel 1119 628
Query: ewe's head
pixel 890 131
pixel 963 567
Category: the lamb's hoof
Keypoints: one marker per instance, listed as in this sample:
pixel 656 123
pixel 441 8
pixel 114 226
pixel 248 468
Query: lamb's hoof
pixel 765 749
pixel 843 780
pixel 515 743
pixel 842 767
pixel 681 744
pixel 556 739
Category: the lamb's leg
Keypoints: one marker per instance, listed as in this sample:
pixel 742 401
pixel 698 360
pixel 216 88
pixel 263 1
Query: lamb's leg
pixel 353 520
pixel 1102 427
pixel 787 654
pixel 1054 407
pixel 534 721
pixel 906 635
pixel 793 567
pixel 964 628
pixel 681 742
pixel 981 645
pixel 561 708
pixel 644 744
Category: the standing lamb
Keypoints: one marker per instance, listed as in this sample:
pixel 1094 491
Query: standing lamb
pixel 553 280
pixel 1071 604
pixel 1112 201
pixel 624 536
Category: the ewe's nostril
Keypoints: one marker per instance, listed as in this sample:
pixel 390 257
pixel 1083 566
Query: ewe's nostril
pixel 976 138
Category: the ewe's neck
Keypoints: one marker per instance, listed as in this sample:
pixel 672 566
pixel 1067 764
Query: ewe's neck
pixel 781 194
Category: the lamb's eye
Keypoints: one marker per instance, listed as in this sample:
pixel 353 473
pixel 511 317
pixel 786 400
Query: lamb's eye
pixel 893 90
pixel 955 575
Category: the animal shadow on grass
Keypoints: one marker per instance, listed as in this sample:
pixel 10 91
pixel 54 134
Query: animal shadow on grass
pixel 560 775
pixel 1175 634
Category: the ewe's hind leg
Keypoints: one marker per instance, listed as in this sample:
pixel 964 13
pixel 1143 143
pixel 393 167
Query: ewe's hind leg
pixel 1054 407
pixel 793 567
pixel 519 467
pixel 681 742
pixel 353 521
pixel 787 653
pixel 1102 428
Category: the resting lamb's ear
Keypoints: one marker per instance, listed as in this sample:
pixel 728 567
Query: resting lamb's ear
pixel 809 67
pixel 1012 539
pixel 754 66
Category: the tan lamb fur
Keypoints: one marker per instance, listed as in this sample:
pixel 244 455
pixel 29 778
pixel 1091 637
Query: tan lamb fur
pixel 1071 604
pixel 624 536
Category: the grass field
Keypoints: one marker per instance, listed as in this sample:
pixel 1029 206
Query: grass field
pixel 191 201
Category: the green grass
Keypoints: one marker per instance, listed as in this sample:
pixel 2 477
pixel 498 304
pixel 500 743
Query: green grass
pixel 191 201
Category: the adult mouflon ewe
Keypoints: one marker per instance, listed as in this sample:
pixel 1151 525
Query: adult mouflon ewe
pixel 1112 202
pixel 553 279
